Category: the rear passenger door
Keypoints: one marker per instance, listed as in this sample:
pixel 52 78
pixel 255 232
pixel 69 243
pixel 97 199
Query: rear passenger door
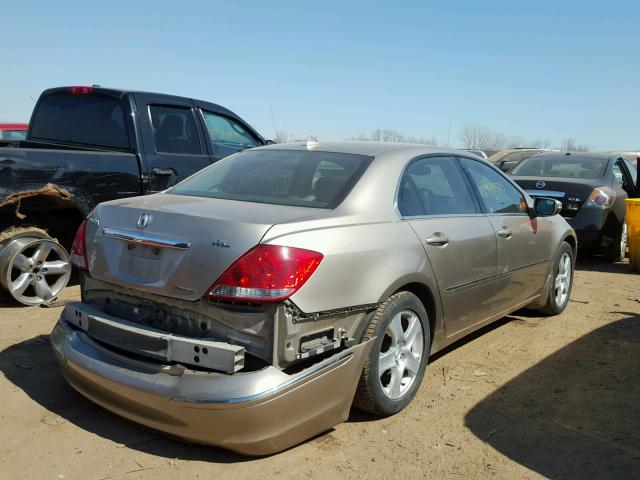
pixel 436 199
pixel 173 140
pixel 523 242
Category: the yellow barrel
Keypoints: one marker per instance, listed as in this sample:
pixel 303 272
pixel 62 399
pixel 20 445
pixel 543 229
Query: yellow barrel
pixel 633 225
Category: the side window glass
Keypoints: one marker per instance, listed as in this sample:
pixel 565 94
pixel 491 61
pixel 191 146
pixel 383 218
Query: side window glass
pixel 434 186
pixel 174 130
pixel 618 176
pixel 227 136
pixel 496 193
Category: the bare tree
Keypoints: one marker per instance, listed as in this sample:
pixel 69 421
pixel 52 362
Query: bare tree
pixel 282 137
pixel 479 137
pixel 386 135
pixel 570 145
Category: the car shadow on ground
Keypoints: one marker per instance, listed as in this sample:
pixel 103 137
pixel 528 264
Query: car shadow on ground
pixel 576 413
pixel 31 366
pixel 591 263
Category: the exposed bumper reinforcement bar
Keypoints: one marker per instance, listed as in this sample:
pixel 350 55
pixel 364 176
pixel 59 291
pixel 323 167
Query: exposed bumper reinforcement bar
pixel 154 343
pixel 256 413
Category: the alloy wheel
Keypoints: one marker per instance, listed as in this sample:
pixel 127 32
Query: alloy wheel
pixel 34 270
pixel 401 354
pixel 563 279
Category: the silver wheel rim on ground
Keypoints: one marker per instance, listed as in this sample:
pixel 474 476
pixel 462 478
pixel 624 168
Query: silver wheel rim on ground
pixel 563 279
pixel 400 354
pixel 623 240
pixel 34 270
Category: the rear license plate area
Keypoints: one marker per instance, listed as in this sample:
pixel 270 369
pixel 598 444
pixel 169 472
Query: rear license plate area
pixel 144 251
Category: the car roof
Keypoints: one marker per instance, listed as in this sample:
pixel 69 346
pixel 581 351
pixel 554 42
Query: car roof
pixel 367 148
pixel 570 155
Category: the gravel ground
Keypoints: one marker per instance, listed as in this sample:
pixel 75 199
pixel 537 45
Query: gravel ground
pixel 527 397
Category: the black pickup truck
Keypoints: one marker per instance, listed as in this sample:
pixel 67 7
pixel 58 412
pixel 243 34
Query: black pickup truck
pixel 86 145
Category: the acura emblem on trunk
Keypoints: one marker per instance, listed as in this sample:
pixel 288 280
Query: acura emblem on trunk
pixel 144 220
pixel 540 184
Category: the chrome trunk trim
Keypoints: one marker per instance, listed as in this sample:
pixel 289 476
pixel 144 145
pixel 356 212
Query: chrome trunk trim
pixel 145 239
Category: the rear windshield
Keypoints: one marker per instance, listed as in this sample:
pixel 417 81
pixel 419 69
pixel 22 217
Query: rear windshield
pixel 568 166
pixel 90 120
pixel 280 177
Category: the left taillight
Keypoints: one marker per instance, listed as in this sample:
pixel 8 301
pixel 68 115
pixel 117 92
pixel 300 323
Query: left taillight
pixel 266 273
pixel 79 247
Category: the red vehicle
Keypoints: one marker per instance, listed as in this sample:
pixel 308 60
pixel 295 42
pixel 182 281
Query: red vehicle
pixel 13 131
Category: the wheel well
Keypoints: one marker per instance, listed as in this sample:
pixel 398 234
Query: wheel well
pixel 572 242
pixel 60 224
pixel 426 297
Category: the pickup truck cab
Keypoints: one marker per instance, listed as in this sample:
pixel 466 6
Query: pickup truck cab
pixel 86 145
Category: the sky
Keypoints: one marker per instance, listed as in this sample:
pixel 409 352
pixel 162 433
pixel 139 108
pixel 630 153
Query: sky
pixel 540 70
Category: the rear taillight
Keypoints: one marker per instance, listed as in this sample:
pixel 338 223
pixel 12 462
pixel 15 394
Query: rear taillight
pixel 79 247
pixel 266 273
pixel 601 197
pixel 80 90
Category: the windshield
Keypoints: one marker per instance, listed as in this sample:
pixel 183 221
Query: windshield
pixel 91 120
pixel 566 166
pixel 281 177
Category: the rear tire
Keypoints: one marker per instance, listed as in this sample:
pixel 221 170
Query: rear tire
pixel 395 367
pixel 617 251
pixel 561 281
pixel 34 268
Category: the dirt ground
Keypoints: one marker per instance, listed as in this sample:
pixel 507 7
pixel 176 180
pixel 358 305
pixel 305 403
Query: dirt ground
pixel 527 397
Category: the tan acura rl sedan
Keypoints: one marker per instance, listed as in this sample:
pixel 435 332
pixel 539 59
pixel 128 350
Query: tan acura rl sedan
pixel 252 304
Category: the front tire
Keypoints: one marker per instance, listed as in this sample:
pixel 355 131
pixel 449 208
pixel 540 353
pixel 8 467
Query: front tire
pixel 394 370
pixel 561 281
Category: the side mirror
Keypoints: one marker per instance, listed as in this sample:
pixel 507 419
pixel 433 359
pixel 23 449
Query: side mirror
pixel 546 207
pixel 269 142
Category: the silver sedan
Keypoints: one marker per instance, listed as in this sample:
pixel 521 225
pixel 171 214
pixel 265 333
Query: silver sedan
pixel 253 303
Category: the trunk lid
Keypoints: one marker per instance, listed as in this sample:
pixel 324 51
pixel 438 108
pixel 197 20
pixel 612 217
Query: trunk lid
pixel 187 243
pixel 571 192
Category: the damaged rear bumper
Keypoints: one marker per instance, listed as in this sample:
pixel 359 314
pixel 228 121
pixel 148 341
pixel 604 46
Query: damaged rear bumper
pixel 253 413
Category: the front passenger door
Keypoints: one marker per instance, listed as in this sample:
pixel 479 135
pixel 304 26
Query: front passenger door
pixel 436 200
pixel 523 242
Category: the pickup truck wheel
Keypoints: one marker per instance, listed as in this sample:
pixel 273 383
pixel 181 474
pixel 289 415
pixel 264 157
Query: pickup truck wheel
pixel 33 270
pixel 397 361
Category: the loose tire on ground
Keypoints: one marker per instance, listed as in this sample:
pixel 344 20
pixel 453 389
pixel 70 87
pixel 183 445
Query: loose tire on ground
pixel 376 392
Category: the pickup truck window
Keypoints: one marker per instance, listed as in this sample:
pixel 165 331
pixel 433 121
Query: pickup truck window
pixel 91 120
pixel 227 136
pixel 174 130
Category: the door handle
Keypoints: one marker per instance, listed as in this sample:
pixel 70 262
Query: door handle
pixel 438 240
pixel 163 171
pixel 505 233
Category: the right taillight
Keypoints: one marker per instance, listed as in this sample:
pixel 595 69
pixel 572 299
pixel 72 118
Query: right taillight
pixel 601 197
pixel 79 247
pixel 266 273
